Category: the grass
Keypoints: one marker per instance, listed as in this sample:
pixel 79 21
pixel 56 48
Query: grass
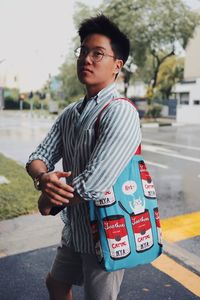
pixel 18 197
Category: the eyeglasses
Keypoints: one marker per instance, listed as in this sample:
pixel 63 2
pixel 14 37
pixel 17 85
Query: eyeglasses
pixel 95 54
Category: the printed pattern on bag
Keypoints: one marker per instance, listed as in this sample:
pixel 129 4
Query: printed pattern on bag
pixel 117 236
pixel 147 182
pixel 107 200
pixel 157 219
pixel 141 225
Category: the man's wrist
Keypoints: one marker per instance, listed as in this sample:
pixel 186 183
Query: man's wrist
pixel 37 181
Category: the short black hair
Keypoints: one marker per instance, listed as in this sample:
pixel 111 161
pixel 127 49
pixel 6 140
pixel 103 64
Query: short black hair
pixel 103 25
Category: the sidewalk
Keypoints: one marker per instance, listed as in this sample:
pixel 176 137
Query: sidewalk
pixel 159 122
pixel 30 232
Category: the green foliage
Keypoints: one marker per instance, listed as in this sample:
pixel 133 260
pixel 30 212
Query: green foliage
pixel 11 103
pixel 154 111
pixel 18 197
pixel 11 93
pixel 71 87
pixel 171 72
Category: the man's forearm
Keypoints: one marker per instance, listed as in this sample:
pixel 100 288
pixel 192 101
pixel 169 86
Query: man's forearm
pixel 36 167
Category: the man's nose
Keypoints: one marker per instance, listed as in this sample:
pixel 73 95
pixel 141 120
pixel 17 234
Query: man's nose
pixel 87 58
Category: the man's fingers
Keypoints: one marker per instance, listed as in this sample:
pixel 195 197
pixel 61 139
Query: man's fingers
pixel 58 196
pixel 59 190
pixel 64 186
pixel 63 174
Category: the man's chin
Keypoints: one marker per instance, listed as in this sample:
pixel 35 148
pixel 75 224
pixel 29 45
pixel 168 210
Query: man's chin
pixel 86 81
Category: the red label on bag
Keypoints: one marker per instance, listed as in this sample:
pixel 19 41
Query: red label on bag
pixel 117 237
pixel 147 182
pixel 141 225
pixel 157 219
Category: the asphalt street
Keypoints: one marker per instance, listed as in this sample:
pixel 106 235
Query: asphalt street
pixel 23 278
pixel 173 156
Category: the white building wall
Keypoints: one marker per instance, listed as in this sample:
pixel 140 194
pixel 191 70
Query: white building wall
pixel 188 113
pixel 192 65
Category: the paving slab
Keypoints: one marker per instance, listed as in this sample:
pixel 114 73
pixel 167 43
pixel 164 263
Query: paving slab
pixel 29 232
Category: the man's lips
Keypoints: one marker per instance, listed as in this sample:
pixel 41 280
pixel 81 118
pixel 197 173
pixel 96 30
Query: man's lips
pixel 83 69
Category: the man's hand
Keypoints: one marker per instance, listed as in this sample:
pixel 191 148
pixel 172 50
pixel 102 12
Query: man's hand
pixel 58 192
pixel 55 192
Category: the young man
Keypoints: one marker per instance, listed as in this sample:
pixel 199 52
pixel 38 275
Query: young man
pixel 91 163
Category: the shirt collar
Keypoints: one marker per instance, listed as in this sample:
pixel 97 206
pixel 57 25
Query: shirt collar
pixel 107 92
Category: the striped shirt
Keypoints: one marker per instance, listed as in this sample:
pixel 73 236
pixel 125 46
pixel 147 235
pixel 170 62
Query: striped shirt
pixel 95 162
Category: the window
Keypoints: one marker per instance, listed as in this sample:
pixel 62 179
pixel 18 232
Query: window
pixel 184 98
pixel 196 102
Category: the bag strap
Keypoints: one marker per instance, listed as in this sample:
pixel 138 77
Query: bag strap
pixel 97 122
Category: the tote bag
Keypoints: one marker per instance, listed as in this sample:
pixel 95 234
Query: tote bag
pixel 125 222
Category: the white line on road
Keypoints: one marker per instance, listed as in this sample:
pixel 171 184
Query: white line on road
pixel 158 150
pixel 156 164
pixel 171 144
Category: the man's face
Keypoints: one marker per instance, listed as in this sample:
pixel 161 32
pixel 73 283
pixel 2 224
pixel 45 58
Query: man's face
pixel 93 73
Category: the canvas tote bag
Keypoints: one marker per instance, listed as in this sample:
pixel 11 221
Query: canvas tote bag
pixel 125 222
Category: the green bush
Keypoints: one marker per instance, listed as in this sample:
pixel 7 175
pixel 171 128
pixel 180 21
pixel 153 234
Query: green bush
pixel 154 111
pixel 11 103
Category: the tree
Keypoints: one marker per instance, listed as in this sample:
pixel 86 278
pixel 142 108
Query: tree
pixel 157 28
pixel 171 72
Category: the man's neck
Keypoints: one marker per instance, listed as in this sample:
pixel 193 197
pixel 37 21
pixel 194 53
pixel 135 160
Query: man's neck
pixel 94 90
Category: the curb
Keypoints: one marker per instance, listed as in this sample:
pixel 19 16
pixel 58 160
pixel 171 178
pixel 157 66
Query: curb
pixel 156 125
pixel 184 257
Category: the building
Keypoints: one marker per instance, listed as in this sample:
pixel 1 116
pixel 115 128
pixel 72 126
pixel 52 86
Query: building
pixel 188 91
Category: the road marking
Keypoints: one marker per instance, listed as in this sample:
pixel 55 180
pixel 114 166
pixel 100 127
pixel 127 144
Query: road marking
pixel 170 144
pixel 181 227
pixel 179 273
pixel 167 152
pixel 156 164
pixel 198 176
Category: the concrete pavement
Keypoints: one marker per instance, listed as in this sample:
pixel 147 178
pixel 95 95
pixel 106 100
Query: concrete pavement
pixel 30 232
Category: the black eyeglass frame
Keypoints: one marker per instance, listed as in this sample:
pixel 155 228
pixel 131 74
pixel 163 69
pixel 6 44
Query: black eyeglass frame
pixel 78 55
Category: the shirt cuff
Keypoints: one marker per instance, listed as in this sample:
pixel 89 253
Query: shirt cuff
pixel 49 166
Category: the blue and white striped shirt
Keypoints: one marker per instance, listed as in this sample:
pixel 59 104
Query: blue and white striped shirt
pixel 95 162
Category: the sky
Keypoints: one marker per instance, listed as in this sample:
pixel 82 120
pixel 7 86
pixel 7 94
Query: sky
pixel 35 37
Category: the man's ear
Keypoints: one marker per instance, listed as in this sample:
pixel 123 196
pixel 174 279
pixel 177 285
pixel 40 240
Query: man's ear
pixel 118 65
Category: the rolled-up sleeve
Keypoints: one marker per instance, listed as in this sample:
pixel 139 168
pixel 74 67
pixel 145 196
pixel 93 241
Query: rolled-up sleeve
pixel 118 138
pixel 50 149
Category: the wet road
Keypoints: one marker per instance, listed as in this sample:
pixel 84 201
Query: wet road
pixel 173 158
pixel 177 150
